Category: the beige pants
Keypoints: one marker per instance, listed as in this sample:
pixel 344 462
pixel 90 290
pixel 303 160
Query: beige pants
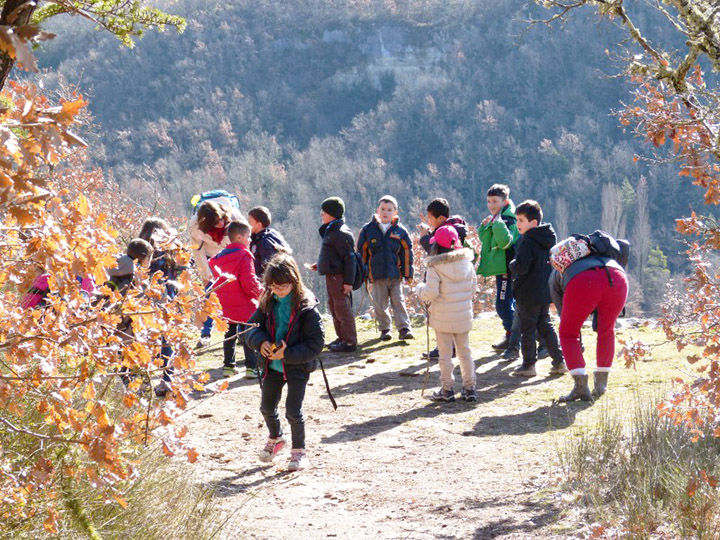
pixel 462 348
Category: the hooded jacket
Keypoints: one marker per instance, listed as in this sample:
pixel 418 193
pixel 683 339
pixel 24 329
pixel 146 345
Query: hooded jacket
pixel 449 288
pixel 498 240
pixel 305 338
pixel 336 251
pixel 264 245
pixel 456 221
pixel 531 267
pixel 387 255
pixel 238 298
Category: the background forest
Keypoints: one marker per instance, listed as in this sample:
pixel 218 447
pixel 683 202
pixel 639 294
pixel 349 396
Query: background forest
pixel 288 103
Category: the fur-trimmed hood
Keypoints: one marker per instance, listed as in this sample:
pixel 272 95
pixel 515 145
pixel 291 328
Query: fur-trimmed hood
pixel 451 257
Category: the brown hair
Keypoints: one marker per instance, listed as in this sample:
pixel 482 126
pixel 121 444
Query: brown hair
pixel 237 228
pixel 530 209
pixel 209 214
pixel 139 249
pixel 150 225
pixel 499 190
pixel 282 269
pixel 261 215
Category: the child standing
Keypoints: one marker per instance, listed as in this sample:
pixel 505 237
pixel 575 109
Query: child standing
pixel 449 287
pixel 265 241
pixel 531 272
pixel 138 252
pixel 499 234
pixel 337 263
pixel 238 298
pixel 386 249
pixel 289 337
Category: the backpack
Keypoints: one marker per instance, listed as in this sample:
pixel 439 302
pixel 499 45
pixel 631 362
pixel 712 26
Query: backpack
pixel 361 271
pixel 577 246
pixel 197 200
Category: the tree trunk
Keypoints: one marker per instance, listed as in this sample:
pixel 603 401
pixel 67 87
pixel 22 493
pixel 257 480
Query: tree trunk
pixel 21 12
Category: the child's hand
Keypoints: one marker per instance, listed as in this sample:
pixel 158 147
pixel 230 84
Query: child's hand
pixel 266 349
pixel 423 228
pixel 312 266
pixel 487 220
pixel 409 282
pixel 347 289
pixel 279 353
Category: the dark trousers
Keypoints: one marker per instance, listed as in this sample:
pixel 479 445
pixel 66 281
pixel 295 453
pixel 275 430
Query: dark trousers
pixel 166 353
pixel 340 305
pixel 271 394
pixel 229 348
pixel 534 320
pixel 504 305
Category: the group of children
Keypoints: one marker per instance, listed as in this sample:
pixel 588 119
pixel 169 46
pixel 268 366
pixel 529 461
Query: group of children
pixel 249 266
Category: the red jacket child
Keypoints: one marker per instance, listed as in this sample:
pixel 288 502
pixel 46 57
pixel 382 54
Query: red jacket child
pixel 238 298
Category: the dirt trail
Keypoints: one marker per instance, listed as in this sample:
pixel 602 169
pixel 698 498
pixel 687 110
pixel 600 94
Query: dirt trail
pixel 389 463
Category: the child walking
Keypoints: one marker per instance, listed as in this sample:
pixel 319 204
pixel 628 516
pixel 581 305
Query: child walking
pixel 386 249
pixel 238 298
pixel 289 338
pixel 449 287
pixel 531 272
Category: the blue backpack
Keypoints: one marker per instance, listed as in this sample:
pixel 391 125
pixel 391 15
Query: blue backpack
pixel 197 200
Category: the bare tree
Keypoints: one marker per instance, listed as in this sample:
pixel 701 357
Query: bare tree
pixel 641 233
pixel 613 214
pixel 562 219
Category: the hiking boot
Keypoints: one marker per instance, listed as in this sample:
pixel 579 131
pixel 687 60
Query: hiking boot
pixel 343 347
pixel 525 370
pixel 580 390
pixel 542 353
pixel 405 333
pixel 558 368
pixel 162 389
pixel 271 449
pixel 443 395
pixel 298 460
pixel 469 394
pixel 385 335
pixel 251 373
pixel 434 354
pixel 203 342
pixel 600 379
pixel 503 344
pixel 511 353
pixel 229 371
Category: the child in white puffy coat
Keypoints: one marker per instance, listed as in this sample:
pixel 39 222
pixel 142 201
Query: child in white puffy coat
pixel 448 289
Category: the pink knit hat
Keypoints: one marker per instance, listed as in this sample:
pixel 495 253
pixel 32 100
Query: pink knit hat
pixel 447 237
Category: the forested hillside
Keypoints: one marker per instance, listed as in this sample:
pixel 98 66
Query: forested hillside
pixel 288 103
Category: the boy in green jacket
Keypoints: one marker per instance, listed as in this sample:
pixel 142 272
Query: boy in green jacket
pixel 499 234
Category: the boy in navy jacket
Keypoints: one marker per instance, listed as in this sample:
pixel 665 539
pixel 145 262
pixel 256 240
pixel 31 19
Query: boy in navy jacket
pixel 386 249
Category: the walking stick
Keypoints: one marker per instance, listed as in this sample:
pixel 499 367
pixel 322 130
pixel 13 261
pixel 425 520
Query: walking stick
pixel 427 350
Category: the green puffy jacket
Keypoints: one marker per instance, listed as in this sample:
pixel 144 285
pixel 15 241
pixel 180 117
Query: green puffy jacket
pixel 497 238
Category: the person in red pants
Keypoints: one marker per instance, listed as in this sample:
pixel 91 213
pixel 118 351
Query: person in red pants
pixel 591 283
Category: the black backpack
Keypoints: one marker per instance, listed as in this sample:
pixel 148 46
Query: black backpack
pixel 604 245
pixel 361 271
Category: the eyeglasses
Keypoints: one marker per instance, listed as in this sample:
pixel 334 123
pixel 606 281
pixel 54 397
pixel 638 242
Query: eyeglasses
pixel 279 286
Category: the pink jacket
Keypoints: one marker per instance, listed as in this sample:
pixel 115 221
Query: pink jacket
pixel 238 298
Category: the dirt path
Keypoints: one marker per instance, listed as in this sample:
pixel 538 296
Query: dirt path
pixel 389 463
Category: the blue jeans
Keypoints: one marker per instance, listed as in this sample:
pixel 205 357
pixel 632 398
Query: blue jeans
pixel 166 353
pixel 504 303
pixel 208 324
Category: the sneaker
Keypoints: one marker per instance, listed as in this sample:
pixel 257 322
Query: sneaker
pixel 525 371
pixel 333 343
pixel 229 371
pixel 271 449
pixel 385 335
pixel 162 389
pixel 559 368
pixel 443 395
pixel 298 460
pixel 343 347
pixel 203 342
pixel 542 353
pixel 511 354
pixel 469 394
pixel 405 333
pixel 503 344
pixel 251 373
pixel 434 354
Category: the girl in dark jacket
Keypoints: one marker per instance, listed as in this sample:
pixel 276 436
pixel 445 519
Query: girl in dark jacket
pixel 289 338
